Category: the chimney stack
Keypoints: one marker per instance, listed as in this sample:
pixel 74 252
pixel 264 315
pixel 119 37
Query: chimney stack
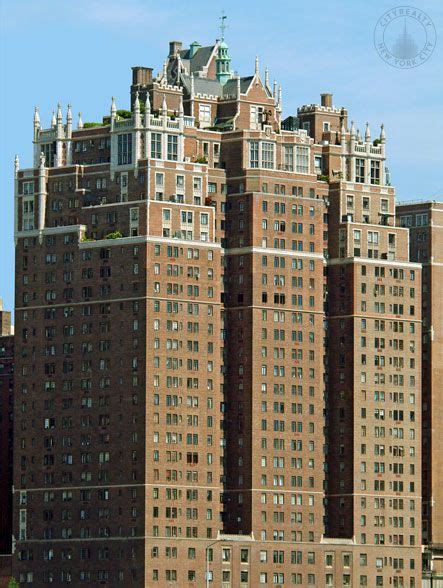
pixel 326 100
pixel 174 48
pixel 141 76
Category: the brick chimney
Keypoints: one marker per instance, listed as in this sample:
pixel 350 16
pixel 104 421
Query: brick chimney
pixel 174 48
pixel 141 76
pixel 326 100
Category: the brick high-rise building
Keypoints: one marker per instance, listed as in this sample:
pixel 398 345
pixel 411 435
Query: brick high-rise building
pixel 220 330
pixel 6 400
pixel 425 223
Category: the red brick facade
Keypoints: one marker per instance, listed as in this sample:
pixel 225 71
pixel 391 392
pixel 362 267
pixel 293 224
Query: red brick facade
pixel 220 333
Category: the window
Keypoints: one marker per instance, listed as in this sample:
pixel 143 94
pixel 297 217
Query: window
pixel 360 170
pixel 375 172
pixel 172 147
pixel 255 116
pixel 197 184
pixel 204 112
pixel 124 144
pixel 267 155
pixel 253 154
pixel 288 156
pixel 302 165
pixel 406 221
pixel 156 145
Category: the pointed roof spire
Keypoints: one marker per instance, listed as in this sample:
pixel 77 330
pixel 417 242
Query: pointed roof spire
pixel 37 116
pixel 16 164
pixel 181 112
pixel 113 107
pixel 165 72
pixel 352 129
pixel 137 103
pixel 256 66
pixel 382 133
pixel 267 78
pixel 69 114
pixel 164 106
pixel 79 122
pixel 279 101
pixel 53 120
pixel 367 133
pixel 59 113
pixel 274 93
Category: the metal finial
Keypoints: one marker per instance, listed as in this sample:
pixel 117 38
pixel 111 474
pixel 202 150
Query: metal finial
pixel 223 17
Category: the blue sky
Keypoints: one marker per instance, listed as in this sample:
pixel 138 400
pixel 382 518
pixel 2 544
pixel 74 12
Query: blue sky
pixel 82 52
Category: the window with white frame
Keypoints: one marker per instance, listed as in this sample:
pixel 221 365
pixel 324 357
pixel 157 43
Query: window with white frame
pixel 124 149
pixel 156 145
pixel 360 170
pixel 302 164
pixel 267 155
pixel 197 184
pixel 28 215
pixel 180 183
pixel 204 114
pixel 373 237
pixel 253 154
pixel 375 171
pixel 172 153
pixel 255 116
pixel 288 157
pixel 28 188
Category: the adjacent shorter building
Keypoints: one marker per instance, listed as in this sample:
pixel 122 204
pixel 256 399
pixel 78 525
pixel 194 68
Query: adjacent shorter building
pixel 6 426
pixel 425 222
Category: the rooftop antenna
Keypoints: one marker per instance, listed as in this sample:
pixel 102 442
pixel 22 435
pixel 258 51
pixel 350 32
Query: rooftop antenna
pixel 223 17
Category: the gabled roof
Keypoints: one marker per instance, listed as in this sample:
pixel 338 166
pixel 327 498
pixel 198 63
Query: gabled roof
pixel 199 61
pixel 230 88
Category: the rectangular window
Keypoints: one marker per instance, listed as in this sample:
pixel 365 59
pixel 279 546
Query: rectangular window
pixel 156 145
pixel 204 112
pixel 288 154
pixel 253 154
pixel 124 149
pixel 172 147
pixel 360 170
pixel 375 172
pixel 267 155
pixel 302 165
